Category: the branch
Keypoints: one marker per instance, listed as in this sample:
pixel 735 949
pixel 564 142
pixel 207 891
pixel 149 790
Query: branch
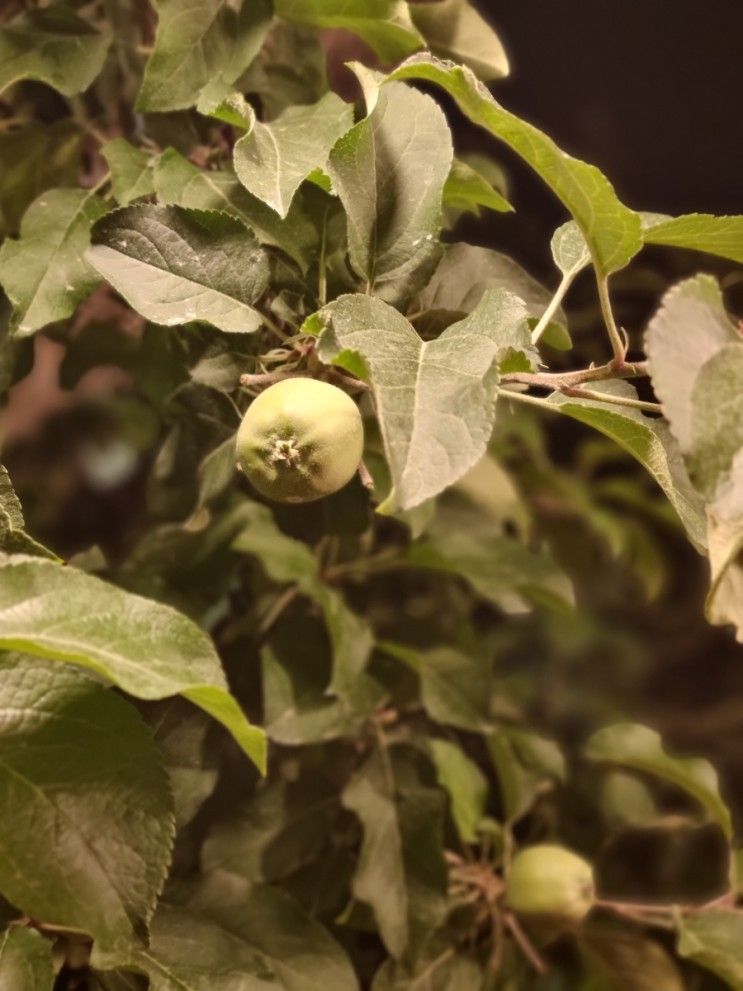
pixel 597 373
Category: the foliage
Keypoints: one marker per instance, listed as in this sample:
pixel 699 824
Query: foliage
pixel 247 745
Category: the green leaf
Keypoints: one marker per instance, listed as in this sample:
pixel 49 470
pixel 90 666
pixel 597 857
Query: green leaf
pixel 44 272
pixel 466 190
pixel 611 230
pixel 54 46
pixel 131 170
pixel 222 102
pixel 650 442
pixel 198 40
pixel 383 24
pixel 401 871
pixel 272 160
pixel 438 968
pixel 180 183
pixel 400 155
pixel 243 937
pixel 174 265
pixel 285 561
pixel 466 785
pixel 10 504
pixel 456 688
pixel 721 236
pixel 525 763
pixel 147 649
pixel 641 748
pixel 75 760
pixel 289 69
pixel 713 940
pixel 181 740
pixel 25 961
pixel 500 569
pixel 435 399
pixel 36 157
pixel 455 30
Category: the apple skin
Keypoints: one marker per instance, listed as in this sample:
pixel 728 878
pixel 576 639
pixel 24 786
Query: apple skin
pixel 300 440
pixel 551 882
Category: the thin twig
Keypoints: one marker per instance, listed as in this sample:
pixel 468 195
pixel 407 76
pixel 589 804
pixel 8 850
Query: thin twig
pixel 525 944
pixel 277 607
pixel 597 373
pixel 607 397
pixel 554 305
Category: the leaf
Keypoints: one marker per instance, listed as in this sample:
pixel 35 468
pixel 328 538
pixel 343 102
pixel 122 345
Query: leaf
pixel 456 688
pixel 611 230
pixel 286 561
pixel 251 937
pixel 147 649
pixel 196 41
pixel 179 182
pixel 569 249
pixel 401 871
pixel 25 960
pixel 36 157
pixel 272 160
pixel 174 265
pixel 696 364
pixel 75 761
pixel 400 155
pixel 289 69
pixel 627 961
pixel 466 784
pixel 435 400
pixel 439 968
pixel 525 763
pixel 221 101
pixel 690 327
pixel 721 236
pixel 281 829
pixel 466 190
pixel 640 748
pixel 455 30
pixel 713 940
pixel 131 170
pixel 44 273
pixel 650 442
pixel 13 536
pixel 54 46
pixel 383 24
pixel 181 740
pixel 467 271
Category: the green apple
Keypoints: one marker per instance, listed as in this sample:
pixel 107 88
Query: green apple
pixel 300 440
pixel 550 881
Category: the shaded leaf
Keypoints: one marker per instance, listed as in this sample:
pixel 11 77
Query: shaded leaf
pixel 174 265
pixel 525 763
pixel 626 961
pixel 435 400
pixel 198 40
pixel 272 160
pixel 401 871
pixel 53 45
pixel 75 761
pixel 641 748
pixel 147 649
pixel 44 272
pixel 383 24
pixel 25 960
pixel 612 231
pixel 455 30
pixel 286 560
pixel 569 249
pixel 713 940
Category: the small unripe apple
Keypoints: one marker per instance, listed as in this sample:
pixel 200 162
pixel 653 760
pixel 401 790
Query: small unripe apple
pixel 550 881
pixel 300 440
